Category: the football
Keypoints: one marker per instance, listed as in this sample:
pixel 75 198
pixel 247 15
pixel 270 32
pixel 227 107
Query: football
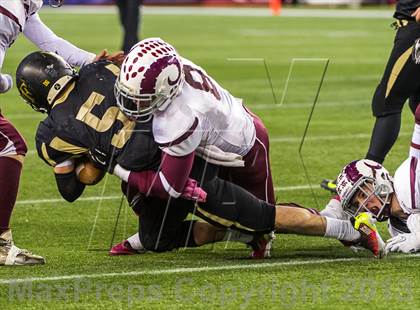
pixel 87 173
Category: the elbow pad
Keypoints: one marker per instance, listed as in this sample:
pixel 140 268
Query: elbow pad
pixel 69 186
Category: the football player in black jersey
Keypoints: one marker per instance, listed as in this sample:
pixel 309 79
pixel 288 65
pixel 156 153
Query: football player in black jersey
pixel 400 81
pixel 83 119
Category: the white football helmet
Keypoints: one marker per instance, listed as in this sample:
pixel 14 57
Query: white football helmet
pixel 151 77
pixel 371 179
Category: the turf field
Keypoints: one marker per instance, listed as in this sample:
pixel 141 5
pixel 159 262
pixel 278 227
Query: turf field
pixel 304 272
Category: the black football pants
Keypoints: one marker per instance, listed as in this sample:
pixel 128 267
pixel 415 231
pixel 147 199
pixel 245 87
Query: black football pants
pixel 400 81
pixel 130 20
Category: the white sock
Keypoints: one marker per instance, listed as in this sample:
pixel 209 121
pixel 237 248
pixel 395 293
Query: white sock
pixel 135 243
pixel 234 235
pixel 341 230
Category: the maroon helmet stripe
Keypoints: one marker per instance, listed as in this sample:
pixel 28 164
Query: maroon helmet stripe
pixel 184 137
pixel 10 15
pixel 413 166
pixel 416 146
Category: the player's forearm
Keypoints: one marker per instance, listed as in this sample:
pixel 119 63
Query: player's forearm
pixel 169 181
pixel 37 32
pixel 69 186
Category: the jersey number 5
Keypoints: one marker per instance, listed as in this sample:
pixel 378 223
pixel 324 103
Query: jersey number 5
pixel 111 115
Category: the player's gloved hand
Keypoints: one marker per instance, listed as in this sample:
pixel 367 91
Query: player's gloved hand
pixel 101 160
pixel 405 243
pixel 6 82
pixel 193 192
pixel 370 238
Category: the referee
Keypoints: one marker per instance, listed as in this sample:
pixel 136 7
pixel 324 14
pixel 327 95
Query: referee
pixel 130 20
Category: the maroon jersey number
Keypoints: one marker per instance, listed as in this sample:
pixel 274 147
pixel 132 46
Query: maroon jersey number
pixel 205 85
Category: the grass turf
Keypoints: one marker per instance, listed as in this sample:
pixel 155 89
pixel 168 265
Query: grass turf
pixel 339 132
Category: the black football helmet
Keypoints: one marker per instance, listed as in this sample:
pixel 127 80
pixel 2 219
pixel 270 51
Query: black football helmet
pixel 40 77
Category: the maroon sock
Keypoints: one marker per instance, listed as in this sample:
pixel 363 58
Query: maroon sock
pixel 9 184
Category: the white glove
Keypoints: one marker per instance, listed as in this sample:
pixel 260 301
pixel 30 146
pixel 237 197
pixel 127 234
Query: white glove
pixel 413 222
pixel 6 82
pixel 405 243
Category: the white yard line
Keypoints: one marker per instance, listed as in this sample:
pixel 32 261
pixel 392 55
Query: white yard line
pixel 116 197
pixel 55 200
pixel 244 11
pixel 188 270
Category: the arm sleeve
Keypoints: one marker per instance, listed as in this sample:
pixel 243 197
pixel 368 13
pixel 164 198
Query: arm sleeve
pixel 169 181
pixel 42 36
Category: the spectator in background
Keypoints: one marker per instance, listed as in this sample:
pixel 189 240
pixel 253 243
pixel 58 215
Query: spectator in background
pixel 130 20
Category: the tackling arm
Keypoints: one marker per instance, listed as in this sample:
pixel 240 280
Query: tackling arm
pixel 42 36
pixel 170 181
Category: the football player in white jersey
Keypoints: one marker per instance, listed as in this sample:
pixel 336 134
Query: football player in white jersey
pixel 194 118
pixel 21 16
pixel 365 185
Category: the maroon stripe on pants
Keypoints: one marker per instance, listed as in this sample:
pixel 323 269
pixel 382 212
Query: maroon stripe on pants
pixel 9 184
pixel 9 133
pixel 255 177
pixel 413 167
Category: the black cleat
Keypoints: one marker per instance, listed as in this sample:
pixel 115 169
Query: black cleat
pixel 329 185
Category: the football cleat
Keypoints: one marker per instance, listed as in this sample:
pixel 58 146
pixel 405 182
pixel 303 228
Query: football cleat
pixel 124 248
pixel 370 238
pixel 261 246
pixel 11 255
pixel 329 185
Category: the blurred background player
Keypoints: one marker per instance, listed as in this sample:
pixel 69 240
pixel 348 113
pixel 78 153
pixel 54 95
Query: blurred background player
pixel 400 81
pixel 15 17
pixel 130 21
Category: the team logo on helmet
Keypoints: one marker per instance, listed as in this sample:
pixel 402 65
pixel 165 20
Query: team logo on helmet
pixel 150 78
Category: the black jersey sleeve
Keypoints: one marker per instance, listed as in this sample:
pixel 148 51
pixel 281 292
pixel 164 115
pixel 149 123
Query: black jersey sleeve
pixel 405 8
pixel 53 149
